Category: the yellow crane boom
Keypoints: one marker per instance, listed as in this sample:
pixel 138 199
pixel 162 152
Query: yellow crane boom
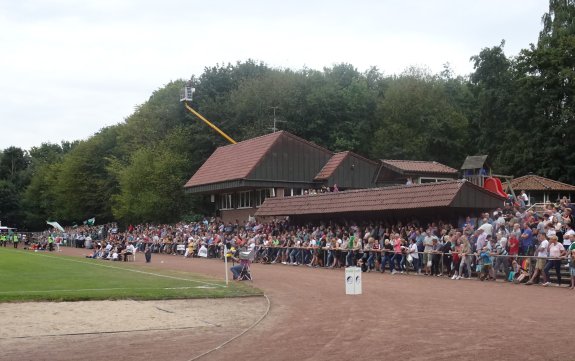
pixel 228 138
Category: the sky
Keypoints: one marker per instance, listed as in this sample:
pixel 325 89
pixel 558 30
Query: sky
pixel 69 68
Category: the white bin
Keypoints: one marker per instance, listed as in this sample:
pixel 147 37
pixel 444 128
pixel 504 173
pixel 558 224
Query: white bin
pixel 353 281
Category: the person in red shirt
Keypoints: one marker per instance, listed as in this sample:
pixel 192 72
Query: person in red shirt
pixel 513 243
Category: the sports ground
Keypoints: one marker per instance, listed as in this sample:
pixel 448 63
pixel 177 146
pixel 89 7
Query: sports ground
pixel 308 317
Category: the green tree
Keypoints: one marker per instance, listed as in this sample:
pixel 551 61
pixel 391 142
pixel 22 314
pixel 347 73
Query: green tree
pixel 546 76
pixel 39 201
pixel 418 121
pixel 84 187
pixel 151 185
pixel 9 205
pixel 13 164
pixel 492 84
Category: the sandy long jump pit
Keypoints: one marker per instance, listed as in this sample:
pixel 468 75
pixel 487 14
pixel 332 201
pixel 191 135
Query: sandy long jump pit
pixel 178 329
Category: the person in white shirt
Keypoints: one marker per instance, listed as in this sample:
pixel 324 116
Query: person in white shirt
pixel 107 250
pixel 525 198
pixel 541 253
pixel 130 250
pixel 567 236
pixel 414 256
pixel 556 253
pixel 486 227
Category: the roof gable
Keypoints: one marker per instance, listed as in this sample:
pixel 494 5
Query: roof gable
pixel 534 182
pixel 242 160
pixel 336 161
pixel 331 165
pixel 408 167
pixel 234 161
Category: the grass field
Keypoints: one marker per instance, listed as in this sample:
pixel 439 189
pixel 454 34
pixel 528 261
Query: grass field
pixel 41 276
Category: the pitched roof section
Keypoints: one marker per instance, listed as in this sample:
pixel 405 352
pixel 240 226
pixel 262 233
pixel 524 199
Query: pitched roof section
pixel 533 182
pixel 331 165
pixel 234 161
pixel 429 195
pixel 474 162
pixel 417 166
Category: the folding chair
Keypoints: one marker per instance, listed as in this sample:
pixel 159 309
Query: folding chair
pixel 246 259
pixel 245 272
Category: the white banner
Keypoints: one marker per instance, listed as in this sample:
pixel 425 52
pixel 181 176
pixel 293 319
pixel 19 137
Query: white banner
pixel 56 225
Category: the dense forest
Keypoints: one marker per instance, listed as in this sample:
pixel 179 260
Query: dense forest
pixel 519 110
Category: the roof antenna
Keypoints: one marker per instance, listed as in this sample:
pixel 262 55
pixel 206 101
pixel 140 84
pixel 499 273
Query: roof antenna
pixel 274 128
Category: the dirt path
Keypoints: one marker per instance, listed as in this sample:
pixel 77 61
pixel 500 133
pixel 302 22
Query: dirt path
pixel 311 318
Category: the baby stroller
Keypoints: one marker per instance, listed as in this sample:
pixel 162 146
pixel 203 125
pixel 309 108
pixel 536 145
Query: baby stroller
pixel 246 259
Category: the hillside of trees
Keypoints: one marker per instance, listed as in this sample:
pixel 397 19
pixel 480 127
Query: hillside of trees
pixel 519 110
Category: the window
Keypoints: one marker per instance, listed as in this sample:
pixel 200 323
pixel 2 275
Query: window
pixel 226 201
pixel 290 192
pixel 261 195
pixel 423 180
pixel 245 199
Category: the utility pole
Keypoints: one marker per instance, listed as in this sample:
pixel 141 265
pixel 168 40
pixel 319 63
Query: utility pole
pixel 274 128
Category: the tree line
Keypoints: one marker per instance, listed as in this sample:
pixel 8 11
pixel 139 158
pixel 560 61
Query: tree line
pixel 519 110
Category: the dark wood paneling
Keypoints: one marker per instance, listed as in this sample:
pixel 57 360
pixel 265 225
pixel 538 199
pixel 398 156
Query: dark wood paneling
pixel 291 160
pixel 354 173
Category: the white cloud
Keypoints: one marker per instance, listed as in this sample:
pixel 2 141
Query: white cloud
pixel 69 68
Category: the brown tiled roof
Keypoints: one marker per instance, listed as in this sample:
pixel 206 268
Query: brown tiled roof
pixel 429 195
pixel 417 166
pixel 331 165
pixel 234 161
pixel 533 182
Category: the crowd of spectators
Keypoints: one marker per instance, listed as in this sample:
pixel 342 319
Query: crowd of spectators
pixel 511 243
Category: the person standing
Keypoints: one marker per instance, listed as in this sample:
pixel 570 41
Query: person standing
pixel 527 242
pixel 148 252
pixel 15 240
pixel 486 263
pixel 502 259
pixel 50 243
pixel 466 258
pixel 541 253
pixel 413 252
pixel 556 252
pixel 427 254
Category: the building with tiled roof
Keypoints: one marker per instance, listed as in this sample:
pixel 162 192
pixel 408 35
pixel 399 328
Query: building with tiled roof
pixel 541 189
pixel 394 172
pixel 239 177
pixel 446 200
